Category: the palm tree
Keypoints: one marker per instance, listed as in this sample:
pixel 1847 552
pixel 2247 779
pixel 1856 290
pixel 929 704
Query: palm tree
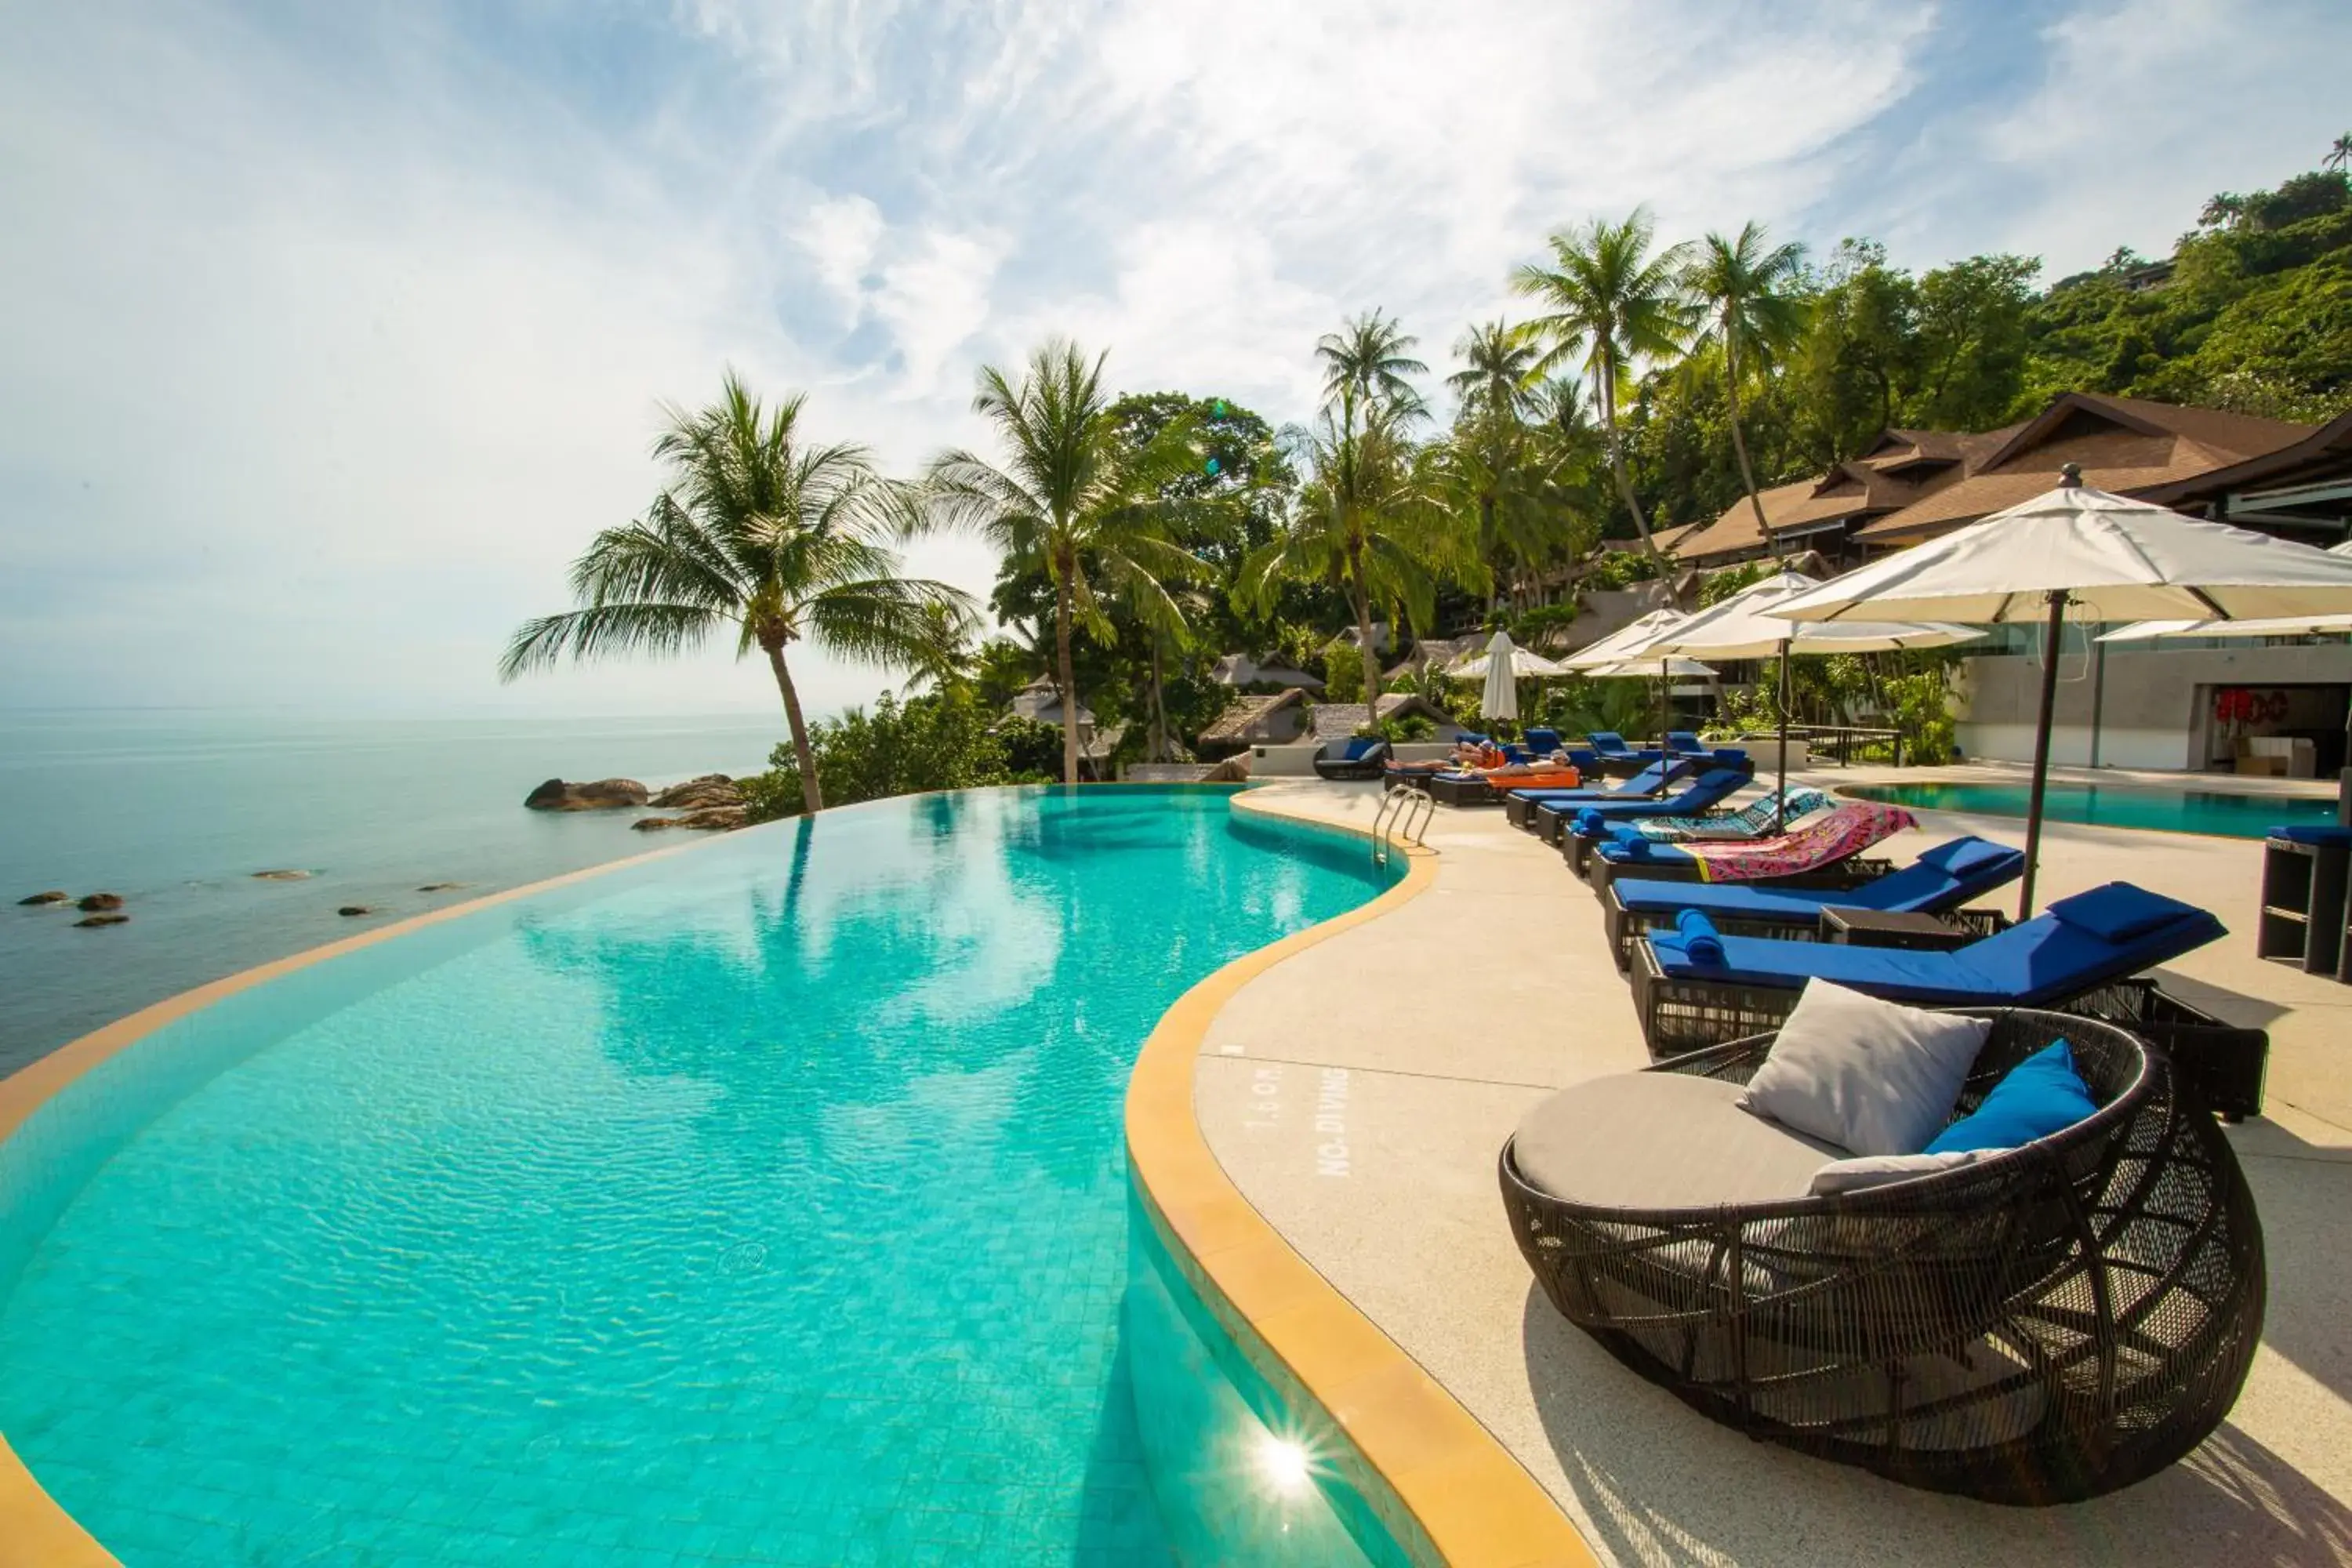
pixel 2221 211
pixel 759 531
pixel 1498 369
pixel 1493 464
pixel 1744 286
pixel 1077 499
pixel 1364 522
pixel 2340 153
pixel 1372 354
pixel 1609 296
pixel 945 658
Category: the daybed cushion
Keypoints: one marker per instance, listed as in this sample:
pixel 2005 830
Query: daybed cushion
pixel 1867 1170
pixel 1961 859
pixel 1662 1139
pixel 1875 1077
pixel 2040 1095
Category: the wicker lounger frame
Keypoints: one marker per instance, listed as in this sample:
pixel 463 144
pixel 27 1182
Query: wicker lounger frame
pixel 1851 872
pixel 2221 1066
pixel 2039 1328
pixel 1624 924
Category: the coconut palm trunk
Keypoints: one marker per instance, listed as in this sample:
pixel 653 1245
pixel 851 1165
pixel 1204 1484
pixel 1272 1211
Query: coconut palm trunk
pixel 1363 608
pixel 1618 471
pixel 811 793
pixel 1065 679
pixel 1738 438
pixel 1159 706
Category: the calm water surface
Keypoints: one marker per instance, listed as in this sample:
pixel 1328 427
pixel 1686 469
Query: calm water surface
pixel 176 811
pixel 2106 806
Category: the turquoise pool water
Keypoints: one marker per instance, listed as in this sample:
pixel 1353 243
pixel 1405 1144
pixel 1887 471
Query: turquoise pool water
pixel 763 1204
pixel 2104 806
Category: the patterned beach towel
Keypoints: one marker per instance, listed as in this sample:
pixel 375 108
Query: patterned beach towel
pixel 1852 827
pixel 1749 822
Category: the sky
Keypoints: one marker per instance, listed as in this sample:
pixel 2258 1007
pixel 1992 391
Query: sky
pixel 331 333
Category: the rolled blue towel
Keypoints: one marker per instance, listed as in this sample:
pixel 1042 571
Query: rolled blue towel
pixel 1590 824
pixel 1666 938
pixel 1699 938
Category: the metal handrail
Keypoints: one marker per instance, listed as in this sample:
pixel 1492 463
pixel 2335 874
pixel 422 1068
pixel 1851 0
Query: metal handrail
pixel 1389 831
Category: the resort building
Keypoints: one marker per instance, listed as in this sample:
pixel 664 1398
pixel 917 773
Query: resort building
pixel 1266 721
pixel 1337 721
pixel 2260 705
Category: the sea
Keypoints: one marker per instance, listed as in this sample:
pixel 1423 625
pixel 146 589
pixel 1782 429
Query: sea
pixel 175 812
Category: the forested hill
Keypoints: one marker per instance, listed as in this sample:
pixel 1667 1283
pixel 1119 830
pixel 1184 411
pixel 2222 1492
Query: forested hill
pixel 2252 312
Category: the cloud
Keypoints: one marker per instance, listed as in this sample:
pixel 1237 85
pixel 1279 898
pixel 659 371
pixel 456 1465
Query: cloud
pixel 337 334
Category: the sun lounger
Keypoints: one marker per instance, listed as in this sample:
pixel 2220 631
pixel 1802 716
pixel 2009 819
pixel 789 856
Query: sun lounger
pixel 1938 883
pixel 1684 744
pixel 1543 743
pixel 1520 802
pixel 1360 758
pixel 1764 817
pixel 1817 851
pixel 2080 953
pixel 1712 787
pixel 1488 787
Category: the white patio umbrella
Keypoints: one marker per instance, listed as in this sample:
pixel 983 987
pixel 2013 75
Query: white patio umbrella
pixel 1625 644
pixel 1526 664
pixel 2265 626
pixel 1500 700
pixel 2111 558
pixel 1744 627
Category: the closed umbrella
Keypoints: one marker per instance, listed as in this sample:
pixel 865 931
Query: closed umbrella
pixel 1501 698
pixel 1744 627
pixel 2109 557
pixel 1526 664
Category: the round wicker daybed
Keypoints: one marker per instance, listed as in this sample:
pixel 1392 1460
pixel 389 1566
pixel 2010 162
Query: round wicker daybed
pixel 2054 1322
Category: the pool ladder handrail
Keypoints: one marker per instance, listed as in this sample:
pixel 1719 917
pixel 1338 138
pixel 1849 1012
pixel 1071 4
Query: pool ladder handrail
pixel 1391 831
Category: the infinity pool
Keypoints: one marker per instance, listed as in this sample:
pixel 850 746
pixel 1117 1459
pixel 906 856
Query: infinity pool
pixel 2106 806
pixel 762 1203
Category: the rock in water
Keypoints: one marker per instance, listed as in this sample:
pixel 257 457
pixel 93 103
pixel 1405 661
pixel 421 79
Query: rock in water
pixel 101 919
pixel 694 794
pixel 282 876
pixel 650 824
pixel 603 794
pixel 439 886
pixel 714 818
pixel 100 901
pixel 356 909
pixel 54 895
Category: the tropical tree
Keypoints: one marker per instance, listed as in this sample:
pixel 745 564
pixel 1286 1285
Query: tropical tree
pixel 1365 520
pixel 784 540
pixel 1074 498
pixel 1495 466
pixel 1609 297
pixel 1745 286
pixel 1499 371
pixel 1372 355
pixel 946 658
pixel 2340 153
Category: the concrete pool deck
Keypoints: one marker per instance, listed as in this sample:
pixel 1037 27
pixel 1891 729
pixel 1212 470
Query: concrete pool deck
pixel 1356 1095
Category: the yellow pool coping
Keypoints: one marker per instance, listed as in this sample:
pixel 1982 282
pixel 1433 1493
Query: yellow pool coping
pixel 1478 1505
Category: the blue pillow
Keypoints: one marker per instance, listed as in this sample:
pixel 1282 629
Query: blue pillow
pixel 1963 858
pixel 1700 939
pixel 2040 1095
pixel 1590 823
pixel 2119 912
pixel 2311 832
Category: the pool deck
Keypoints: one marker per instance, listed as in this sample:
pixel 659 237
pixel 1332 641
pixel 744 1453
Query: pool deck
pixel 1357 1092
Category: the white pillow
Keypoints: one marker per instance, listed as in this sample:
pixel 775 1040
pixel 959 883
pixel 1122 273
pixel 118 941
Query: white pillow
pixel 1872 1077
pixel 1878 1170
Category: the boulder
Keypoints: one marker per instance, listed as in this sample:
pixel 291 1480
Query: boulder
pixel 714 818
pixel 283 876
pixel 54 895
pixel 98 901
pixel 603 794
pixel 101 919
pixel 711 789
pixel 356 909
pixel 652 823
pixel 439 886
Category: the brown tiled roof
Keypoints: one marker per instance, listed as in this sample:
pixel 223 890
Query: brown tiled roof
pixel 1245 713
pixel 2123 443
pixel 1337 721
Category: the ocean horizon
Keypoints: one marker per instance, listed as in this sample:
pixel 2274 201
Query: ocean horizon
pixel 176 810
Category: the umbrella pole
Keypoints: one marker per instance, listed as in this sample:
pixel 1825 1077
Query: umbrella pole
pixel 2041 750
pixel 1780 794
pixel 1665 719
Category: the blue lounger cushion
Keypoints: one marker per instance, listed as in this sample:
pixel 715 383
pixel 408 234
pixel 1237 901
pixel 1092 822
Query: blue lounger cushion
pixel 2046 959
pixel 1943 878
pixel 1543 741
pixel 1608 742
pixel 1710 788
pixel 2040 1095
pixel 1657 776
pixel 2311 832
